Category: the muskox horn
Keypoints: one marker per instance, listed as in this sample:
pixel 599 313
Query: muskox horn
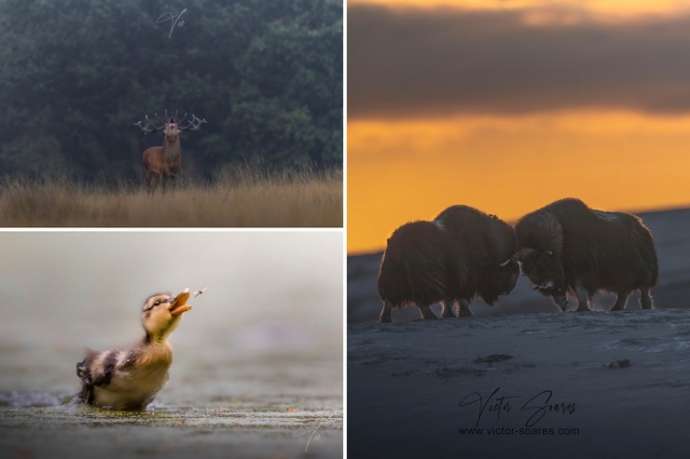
pixel 519 255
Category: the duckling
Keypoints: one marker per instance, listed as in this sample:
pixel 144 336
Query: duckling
pixel 129 378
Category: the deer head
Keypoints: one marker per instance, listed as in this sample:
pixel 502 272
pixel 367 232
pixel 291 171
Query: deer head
pixel 171 131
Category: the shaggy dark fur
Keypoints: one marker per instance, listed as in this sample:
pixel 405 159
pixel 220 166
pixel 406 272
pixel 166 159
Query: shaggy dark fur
pixel 483 243
pixel 566 246
pixel 460 255
pixel 415 268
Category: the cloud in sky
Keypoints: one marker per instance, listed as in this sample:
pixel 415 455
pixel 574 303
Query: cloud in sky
pixel 604 9
pixel 409 62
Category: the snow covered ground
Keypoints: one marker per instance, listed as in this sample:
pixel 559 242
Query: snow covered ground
pixel 550 384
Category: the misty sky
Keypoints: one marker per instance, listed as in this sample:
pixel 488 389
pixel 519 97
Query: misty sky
pixel 508 105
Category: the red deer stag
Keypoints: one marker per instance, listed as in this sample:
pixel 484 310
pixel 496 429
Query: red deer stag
pixel 165 161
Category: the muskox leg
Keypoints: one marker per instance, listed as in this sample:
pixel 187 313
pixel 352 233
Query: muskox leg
pixel 621 300
pixel 448 309
pixel 582 299
pixel 464 310
pixel 385 315
pixel 426 312
pixel 561 301
pixel 646 301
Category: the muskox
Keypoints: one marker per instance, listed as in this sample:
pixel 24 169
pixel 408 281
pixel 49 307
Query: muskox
pixel 566 246
pixel 463 253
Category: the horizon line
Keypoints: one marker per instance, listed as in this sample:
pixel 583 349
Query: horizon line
pixel 649 210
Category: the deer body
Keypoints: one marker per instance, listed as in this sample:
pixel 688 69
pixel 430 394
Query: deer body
pixel 165 162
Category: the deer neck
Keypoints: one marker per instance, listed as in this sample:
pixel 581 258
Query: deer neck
pixel 171 149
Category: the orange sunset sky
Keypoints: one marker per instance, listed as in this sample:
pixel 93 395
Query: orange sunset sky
pixel 508 105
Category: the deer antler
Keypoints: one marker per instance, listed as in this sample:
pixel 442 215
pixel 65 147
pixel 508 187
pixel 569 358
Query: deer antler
pixel 155 123
pixel 193 123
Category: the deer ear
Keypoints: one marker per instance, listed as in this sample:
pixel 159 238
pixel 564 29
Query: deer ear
pixel 549 252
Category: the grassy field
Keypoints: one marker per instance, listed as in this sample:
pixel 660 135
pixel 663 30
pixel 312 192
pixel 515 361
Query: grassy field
pixel 245 199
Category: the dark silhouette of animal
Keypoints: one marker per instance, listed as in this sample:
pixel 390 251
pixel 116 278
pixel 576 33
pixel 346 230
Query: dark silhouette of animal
pixel 463 253
pixel 165 161
pixel 568 247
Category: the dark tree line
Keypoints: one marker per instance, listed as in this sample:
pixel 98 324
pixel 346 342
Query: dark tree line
pixel 76 74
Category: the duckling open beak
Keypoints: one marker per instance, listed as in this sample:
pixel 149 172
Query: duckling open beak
pixel 180 309
pixel 179 304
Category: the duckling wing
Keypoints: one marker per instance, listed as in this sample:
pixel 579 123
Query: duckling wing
pixel 97 368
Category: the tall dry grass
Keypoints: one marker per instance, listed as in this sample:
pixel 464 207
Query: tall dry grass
pixel 241 199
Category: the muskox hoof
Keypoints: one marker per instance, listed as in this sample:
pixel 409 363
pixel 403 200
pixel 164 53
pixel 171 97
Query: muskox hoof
pixel 617 308
pixel 464 314
pixel 646 301
pixel 561 302
pixel 583 309
pixel 385 314
pixel 427 313
pixel 448 312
